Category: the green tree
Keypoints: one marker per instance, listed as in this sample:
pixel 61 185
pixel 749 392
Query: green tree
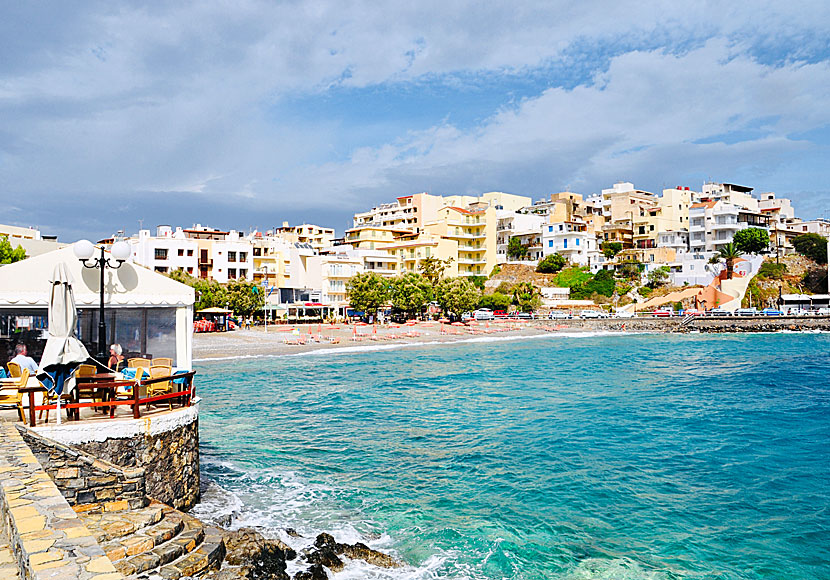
pixel 611 249
pixel 515 248
pixel 814 246
pixel 432 269
pixel 526 296
pixel 209 293
pixel 367 292
pixel 244 298
pixel 457 295
pixel 551 264
pixel 729 253
pixel 9 255
pixel 751 240
pixel 658 276
pixel 495 301
pixel 411 292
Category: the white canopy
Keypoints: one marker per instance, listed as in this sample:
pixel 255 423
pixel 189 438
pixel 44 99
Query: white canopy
pixel 28 284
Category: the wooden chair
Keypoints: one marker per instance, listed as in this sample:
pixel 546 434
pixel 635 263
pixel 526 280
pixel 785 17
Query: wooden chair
pixel 50 398
pixel 165 362
pixel 11 395
pixel 14 370
pixel 86 370
pixel 162 387
pixel 135 363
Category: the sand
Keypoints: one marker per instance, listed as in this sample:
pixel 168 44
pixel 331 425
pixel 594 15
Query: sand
pixel 283 339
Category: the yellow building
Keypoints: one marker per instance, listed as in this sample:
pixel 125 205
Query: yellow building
pixel 412 249
pixel 318 237
pixel 671 214
pixel 373 237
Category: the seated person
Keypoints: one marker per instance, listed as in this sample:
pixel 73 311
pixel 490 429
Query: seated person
pixel 25 362
pixel 116 359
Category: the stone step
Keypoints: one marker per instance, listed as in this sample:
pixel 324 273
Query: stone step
pixel 208 556
pixel 147 538
pixel 109 525
pixel 190 535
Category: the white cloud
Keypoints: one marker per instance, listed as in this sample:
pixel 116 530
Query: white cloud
pixel 176 97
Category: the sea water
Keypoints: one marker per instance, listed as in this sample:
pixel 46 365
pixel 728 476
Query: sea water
pixel 563 456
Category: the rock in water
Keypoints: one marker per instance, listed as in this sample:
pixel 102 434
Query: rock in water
pixel 316 572
pixel 363 552
pixel 262 559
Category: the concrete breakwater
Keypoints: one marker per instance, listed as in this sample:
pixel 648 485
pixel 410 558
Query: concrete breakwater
pixel 698 323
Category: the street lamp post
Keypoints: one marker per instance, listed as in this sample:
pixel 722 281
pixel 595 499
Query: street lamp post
pixel 84 250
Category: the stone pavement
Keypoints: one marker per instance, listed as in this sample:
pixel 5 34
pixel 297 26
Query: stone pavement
pixel 45 534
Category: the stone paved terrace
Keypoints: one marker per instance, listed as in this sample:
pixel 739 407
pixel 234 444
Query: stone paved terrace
pixel 45 534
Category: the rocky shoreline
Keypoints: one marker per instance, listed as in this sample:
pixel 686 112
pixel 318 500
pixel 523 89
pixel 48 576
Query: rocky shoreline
pixel 251 556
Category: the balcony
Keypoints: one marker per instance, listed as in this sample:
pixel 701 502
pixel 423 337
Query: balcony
pixel 480 236
pixel 471 261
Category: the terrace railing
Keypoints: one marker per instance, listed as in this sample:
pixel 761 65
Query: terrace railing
pixel 183 396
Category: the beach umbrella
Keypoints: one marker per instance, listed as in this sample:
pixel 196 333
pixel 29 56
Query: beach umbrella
pixel 443 320
pixel 457 324
pixel 63 351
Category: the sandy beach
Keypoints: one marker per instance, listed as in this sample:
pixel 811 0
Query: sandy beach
pixel 292 339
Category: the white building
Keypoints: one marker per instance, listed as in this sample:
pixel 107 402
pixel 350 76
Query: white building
pixel 200 251
pixel 571 240
pixel 511 224
pixel 713 223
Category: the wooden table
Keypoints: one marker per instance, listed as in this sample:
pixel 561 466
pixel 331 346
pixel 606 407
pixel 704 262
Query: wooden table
pixel 105 384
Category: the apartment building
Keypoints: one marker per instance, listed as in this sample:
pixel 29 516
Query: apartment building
pixel 410 251
pixel 572 240
pixel 511 224
pixel 199 251
pixel 670 214
pixel 621 204
pixel 318 237
pixel 713 224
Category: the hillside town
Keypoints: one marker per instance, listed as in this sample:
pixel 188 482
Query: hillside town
pixel 679 233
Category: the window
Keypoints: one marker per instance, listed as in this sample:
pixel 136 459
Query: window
pixel 162 269
pixel 550 243
pixel 550 229
pixel 566 241
pixel 181 251
pixel 243 256
pixel 577 241
pixel 161 253
pixel 231 256
pixel 231 273
pixel 190 252
pixel 190 270
pixel 257 252
pixel 243 273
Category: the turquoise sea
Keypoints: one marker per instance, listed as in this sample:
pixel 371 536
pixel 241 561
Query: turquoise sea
pixel 564 456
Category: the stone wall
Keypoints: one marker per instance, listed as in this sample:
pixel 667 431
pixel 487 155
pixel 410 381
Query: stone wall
pixel 165 446
pixel 701 323
pixel 83 478
pixel 170 461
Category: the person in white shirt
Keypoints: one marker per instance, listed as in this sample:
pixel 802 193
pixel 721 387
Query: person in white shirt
pixel 25 362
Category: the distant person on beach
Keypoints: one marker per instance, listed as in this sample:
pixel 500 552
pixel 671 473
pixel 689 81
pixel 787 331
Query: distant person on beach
pixel 116 358
pixel 21 358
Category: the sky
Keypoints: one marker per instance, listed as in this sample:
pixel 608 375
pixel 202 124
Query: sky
pixel 245 114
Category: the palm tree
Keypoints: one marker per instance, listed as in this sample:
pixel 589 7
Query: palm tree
pixel 729 253
pixel 525 296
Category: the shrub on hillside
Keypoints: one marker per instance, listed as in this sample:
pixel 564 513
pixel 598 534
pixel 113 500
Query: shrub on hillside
pixel 813 246
pixel 551 264
pixel 772 271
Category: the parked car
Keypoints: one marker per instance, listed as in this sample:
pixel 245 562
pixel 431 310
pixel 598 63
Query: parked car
pixel 524 315
pixel 559 315
pixel 746 312
pixel 798 312
pixel 823 311
pixel 771 312
pixel 717 312
pixel 593 314
pixel 693 312
pixel 664 312
pixel 500 314
pixel 483 314
pixel 624 314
